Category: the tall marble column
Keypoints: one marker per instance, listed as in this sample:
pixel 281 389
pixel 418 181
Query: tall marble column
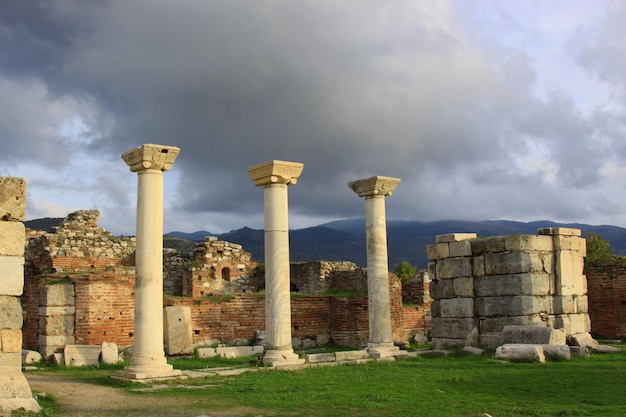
pixel 375 189
pixel 275 177
pixel 148 361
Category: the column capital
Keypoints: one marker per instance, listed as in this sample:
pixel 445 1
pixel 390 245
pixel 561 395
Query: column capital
pixel 151 156
pixel 275 172
pixel 374 186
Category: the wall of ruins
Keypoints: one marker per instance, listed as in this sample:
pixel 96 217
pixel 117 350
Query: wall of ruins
pixel 606 287
pixel 485 284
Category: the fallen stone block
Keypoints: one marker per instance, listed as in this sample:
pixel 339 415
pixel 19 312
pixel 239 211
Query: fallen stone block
pixel 238 351
pixel 581 339
pixel 520 353
pixel 579 351
pixel 605 349
pixel 557 352
pixel 178 335
pixel 82 355
pixel 206 352
pixel 471 350
pixel 320 357
pixel 351 355
pixel 530 335
pixel 110 354
pixel 30 356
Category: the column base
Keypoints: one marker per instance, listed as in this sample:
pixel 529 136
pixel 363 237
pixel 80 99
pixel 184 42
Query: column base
pixel 384 350
pixel 15 392
pixel 138 373
pixel 277 358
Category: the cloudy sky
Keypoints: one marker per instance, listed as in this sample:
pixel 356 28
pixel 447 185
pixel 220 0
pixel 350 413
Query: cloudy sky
pixel 485 109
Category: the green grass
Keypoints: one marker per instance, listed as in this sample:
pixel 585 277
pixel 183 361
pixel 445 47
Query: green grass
pixel 450 386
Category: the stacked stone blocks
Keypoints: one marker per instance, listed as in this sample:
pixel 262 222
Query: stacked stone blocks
pixel 506 280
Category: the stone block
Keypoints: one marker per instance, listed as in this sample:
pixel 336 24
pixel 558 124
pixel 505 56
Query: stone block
pixel 528 243
pixel 206 352
pixel 57 358
pixel 454 237
pixel 520 353
pixel 579 351
pixel 30 357
pixel 462 248
pixel 530 335
pixel 569 273
pixel 457 307
pixel 322 339
pixel 15 393
pixel 12 237
pixel 513 263
pixel 177 330
pixel 478 266
pixel 12 198
pixel 56 325
pixel 579 323
pixel 496 324
pixel 489 341
pixel 525 305
pixel 493 244
pixel 582 340
pixel 12 360
pixel 320 357
pixel 557 352
pixel 11 317
pixel 308 343
pixel 11 275
pixel 453 268
pixel 512 285
pixel 435 309
pixel 471 350
pixel 11 340
pixel 438 343
pixel 463 287
pixel 438 251
pixel 57 295
pixel 351 355
pixel 238 351
pixel 57 311
pixel 571 243
pixel 442 288
pixel 56 340
pixel 564 231
pixel 109 353
pixel 452 328
pixel 82 355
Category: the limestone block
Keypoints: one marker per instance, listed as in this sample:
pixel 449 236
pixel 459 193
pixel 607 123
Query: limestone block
pixel 489 341
pixel 57 311
pixel 548 262
pixel 496 324
pixel 462 248
pixel 30 357
pixel 57 295
pixel 488 245
pixel 435 309
pixel 478 266
pixel 177 330
pixel 15 392
pixel 579 351
pixel 438 343
pixel 452 328
pixel 12 198
pixel 320 357
pixel 524 305
pixel 454 237
pixel 308 343
pixel 56 340
pixel 581 304
pixel 82 355
pixel 572 243
pixel 565 231
pixel 11 317
pixel 463 287
pixel 569 273
pixel 528 243
pixel 513 263
pixel 206 352
pixel 351 355
pixel 582 340
pixel 520 353
pixel 438 251
pixel 471 350
pixel 457 307
pixel 442 288
pixel 12 237
pixel 579 323
pixel 12 360
pixel 512 284
pixel 11 275
pixel 238 351
pixel 557 352
pixel 56 325
pixel 530 335
pixel 11 340
pixel 57 358
pixel 109 353
pixel 453 268
pixel 560 321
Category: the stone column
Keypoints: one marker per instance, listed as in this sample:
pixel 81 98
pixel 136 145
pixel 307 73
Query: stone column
pixel 275 176
pixel 15 392
pixel 148 359
pixel 375 189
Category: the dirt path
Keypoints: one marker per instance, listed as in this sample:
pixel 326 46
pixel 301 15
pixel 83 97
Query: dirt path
pixel 79 398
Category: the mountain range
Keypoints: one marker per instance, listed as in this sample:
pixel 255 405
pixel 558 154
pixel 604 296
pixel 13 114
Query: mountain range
pixel 344 240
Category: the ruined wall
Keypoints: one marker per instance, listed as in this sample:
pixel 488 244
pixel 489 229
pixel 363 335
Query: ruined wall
pixel 606 286
pixel 519 279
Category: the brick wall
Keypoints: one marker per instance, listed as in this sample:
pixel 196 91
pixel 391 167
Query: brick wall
pixel 606 289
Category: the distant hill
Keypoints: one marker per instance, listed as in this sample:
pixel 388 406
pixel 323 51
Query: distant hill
pixel 406 240
pixel 45 223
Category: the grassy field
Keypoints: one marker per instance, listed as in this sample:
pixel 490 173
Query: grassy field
pixel 450 386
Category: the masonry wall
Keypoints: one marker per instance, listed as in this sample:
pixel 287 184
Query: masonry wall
pixel 606 286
